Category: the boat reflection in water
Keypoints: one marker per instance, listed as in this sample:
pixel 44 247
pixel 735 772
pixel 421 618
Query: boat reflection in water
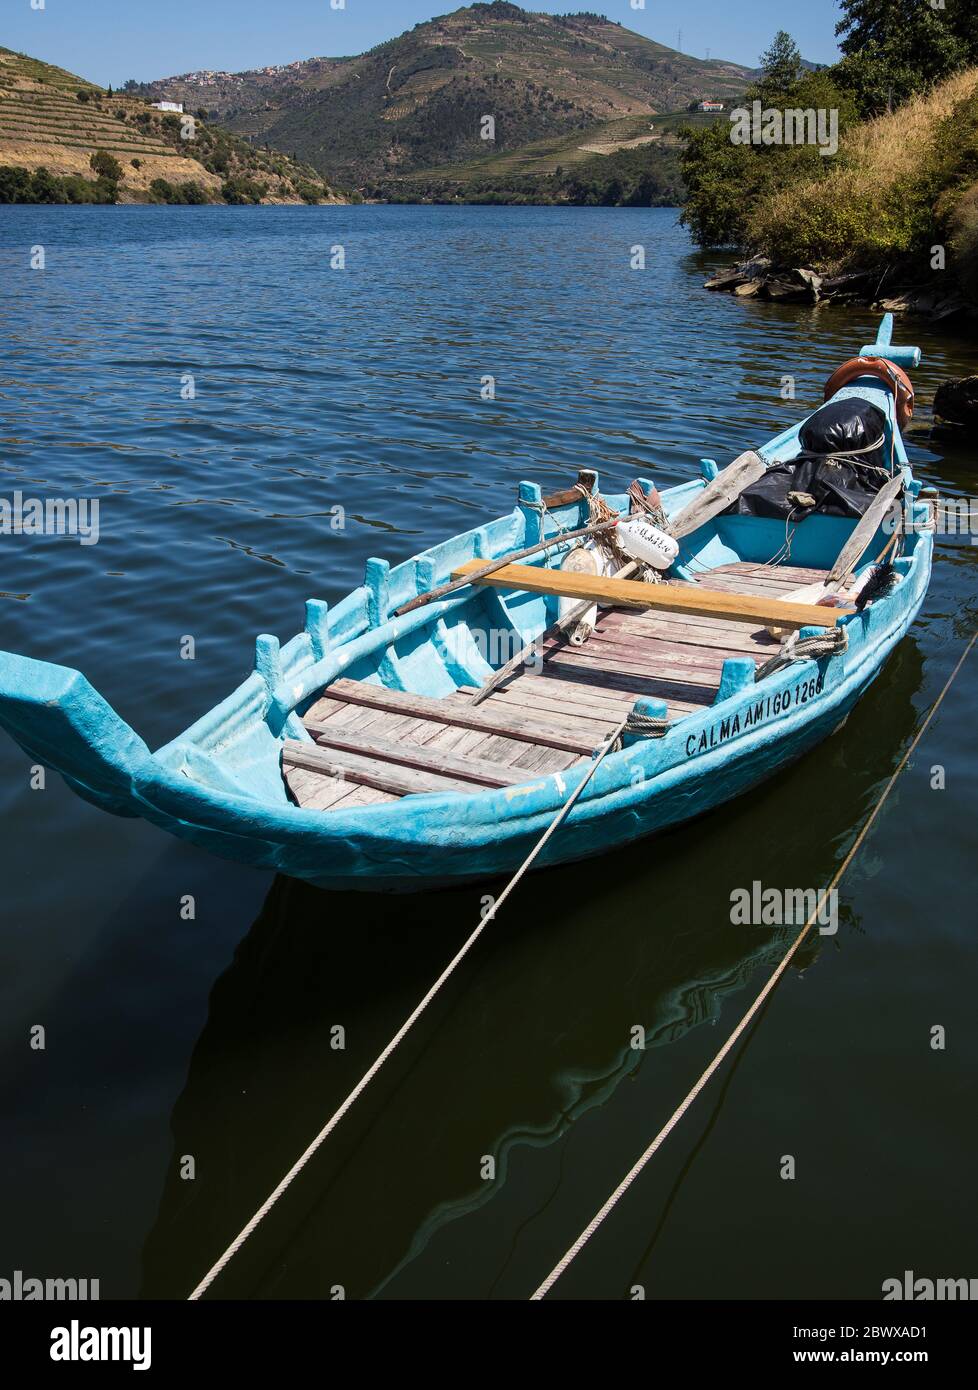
pixel 534 1032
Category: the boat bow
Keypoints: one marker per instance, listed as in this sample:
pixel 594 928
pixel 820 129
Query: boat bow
pixel 63 723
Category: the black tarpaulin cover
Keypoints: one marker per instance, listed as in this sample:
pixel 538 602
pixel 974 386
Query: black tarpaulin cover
pixel 842 466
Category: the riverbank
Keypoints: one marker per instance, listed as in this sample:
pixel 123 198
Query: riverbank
pixel 880 288
pixel 886 214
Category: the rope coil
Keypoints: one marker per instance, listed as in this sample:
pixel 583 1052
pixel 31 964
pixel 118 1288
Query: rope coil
pixel 646 725
pixel 795 648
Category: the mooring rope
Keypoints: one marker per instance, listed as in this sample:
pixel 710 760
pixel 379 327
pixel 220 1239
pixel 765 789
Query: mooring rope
pixel 714 1065
pixel 610 743
pixel 795 648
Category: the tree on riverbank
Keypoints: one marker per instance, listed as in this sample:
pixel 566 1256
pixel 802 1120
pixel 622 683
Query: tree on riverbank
pixel 901 195
pixel 725 181
pixel 894 49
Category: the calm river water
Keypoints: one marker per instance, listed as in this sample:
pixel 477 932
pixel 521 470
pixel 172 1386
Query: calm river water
pixel 359 387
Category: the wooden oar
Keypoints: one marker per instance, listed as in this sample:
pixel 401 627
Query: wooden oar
pixel 869 523
pixel 474 575
pixel 531 648
pixel 725 488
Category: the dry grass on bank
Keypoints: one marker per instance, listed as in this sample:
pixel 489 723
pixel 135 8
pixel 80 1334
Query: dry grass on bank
pixel 879 201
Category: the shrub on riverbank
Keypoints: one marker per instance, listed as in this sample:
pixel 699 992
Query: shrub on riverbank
pixel 725 181
pixel 41 186
pixel 964 242
pixel 892 191
pixel 162 191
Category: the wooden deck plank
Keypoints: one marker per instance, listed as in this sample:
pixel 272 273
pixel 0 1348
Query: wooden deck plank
pixel 539 691
pixel 314 791
pixel 658 682
pixel 510 725
pixel 578 691
pixel 367 796
pixel 541 704
pixel 760 585
pixel 652 654
pixel 493 747
pixel 705 677
pixel 651 644
pixel 354 767
pixel 709 639
pixel 632 685
pixel 792 576
pixel 423 757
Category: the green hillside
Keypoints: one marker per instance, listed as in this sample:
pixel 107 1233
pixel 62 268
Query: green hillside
pixel 417 103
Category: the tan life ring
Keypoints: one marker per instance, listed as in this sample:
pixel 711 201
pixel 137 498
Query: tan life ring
pixel 887 372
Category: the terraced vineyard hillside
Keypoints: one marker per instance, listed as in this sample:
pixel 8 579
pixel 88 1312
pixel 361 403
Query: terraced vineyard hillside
pixel 52 120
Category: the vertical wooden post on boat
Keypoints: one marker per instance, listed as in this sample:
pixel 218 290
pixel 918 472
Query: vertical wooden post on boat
pixel 649 708
pixel 885 346
pixel 531 502
pixel 736 675
pixel 377 580
pixel 268 664
pixel 585 487
pixel 588 478
pixel 424 574
pixel 268 661
pixel 317 626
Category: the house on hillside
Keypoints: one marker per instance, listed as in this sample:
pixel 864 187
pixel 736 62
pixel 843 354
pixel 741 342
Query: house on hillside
pixel 709 106
pixel 168 106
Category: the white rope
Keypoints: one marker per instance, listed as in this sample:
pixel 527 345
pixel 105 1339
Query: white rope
pixel 371 1072
pixel 714 1065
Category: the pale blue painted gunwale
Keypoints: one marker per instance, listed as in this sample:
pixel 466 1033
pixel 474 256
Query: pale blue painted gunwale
pixel 219 784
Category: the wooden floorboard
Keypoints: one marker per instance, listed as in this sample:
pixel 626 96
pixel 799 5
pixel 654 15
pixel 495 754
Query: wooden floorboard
pixel 509 725
pixel 420 756
pixel 370 771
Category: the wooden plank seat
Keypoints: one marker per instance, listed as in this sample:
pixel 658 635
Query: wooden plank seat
pixel 373 745
pixel 741 605
pixel 676 657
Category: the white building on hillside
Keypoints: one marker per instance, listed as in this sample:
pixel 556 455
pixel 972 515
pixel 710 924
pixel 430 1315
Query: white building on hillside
pixel 168 106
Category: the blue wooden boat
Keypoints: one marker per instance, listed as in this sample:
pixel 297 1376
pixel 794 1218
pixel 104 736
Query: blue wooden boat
pixel 353 756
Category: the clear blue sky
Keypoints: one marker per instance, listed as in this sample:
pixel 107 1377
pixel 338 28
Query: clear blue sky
pixel 108 41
